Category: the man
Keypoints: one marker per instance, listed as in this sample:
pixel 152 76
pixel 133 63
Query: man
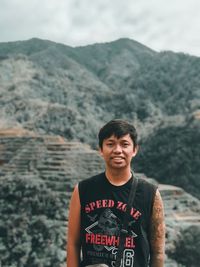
pixel 98 205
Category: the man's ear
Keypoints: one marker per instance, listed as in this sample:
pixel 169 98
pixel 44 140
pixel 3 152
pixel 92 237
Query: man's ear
pixel 135 150
pixel 100 151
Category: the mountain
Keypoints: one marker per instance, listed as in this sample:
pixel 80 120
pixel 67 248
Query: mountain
pixel 55 89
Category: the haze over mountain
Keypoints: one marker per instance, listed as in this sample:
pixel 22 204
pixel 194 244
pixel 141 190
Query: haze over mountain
pixel 56 89
pixel 162 25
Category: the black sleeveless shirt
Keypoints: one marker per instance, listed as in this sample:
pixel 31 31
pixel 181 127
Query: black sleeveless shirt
pixel 102 209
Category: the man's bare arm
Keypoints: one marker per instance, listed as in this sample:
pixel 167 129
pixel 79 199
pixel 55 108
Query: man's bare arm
pixel 73 240
pixel 157 233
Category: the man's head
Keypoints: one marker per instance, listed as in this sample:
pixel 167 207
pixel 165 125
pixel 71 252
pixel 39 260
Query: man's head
pixel 118 128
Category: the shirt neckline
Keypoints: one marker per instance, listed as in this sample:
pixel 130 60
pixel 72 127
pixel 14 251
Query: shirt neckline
pixel 118 187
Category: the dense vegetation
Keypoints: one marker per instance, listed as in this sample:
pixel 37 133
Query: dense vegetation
pixel 31 230
pixel 171 155
pixel 187 247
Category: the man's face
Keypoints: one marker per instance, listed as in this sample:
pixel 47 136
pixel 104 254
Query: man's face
pixel 118 153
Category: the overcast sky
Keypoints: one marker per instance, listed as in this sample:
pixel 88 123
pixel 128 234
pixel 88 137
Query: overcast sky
pixel 159 24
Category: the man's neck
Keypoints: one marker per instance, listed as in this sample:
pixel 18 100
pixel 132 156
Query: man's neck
pixel 118 176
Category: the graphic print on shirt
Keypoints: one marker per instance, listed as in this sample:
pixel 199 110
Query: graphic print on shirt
pixel 104 229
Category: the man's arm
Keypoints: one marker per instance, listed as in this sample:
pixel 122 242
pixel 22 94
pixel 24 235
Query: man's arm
pixel 157 233
pixel 73 242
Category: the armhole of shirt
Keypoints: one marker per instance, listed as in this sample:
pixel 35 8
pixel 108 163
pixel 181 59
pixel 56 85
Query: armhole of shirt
pixel 154 188
pixel 80 193
pixel 148 198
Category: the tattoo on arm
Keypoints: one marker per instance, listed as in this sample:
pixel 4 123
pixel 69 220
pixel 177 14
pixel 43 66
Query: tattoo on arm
pixel 157 232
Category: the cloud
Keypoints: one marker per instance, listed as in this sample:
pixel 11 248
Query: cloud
pixel 159 24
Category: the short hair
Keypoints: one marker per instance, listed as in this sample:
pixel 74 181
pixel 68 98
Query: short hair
pixel 118 128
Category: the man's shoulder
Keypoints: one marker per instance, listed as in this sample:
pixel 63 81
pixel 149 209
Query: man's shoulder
pixel 93 179
pixel 146 191
pixel 146 185
pixel 90 186
pixel 145 182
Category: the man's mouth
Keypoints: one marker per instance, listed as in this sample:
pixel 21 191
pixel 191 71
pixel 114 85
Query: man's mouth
pixel 117 158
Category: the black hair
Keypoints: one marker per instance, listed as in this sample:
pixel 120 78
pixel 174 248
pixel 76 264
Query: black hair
pixel 118 128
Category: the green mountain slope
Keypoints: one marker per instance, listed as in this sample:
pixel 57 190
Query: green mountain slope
pixel 56 89
pixel 171 155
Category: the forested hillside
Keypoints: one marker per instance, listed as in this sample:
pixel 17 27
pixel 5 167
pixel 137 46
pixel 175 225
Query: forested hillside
pixel 56 89
pixel 171 155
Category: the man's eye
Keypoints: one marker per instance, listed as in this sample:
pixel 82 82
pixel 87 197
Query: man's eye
pixel 125 144
pixel 110 144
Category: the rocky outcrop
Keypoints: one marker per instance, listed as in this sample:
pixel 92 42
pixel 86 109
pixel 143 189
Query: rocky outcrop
pixel 37 176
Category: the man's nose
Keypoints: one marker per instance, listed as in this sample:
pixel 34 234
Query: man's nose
pixel 117 149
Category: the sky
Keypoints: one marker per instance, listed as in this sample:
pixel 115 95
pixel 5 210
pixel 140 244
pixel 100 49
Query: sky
pixel 159 24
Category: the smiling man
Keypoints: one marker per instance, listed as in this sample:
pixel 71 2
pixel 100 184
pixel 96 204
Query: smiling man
pixel 98 205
